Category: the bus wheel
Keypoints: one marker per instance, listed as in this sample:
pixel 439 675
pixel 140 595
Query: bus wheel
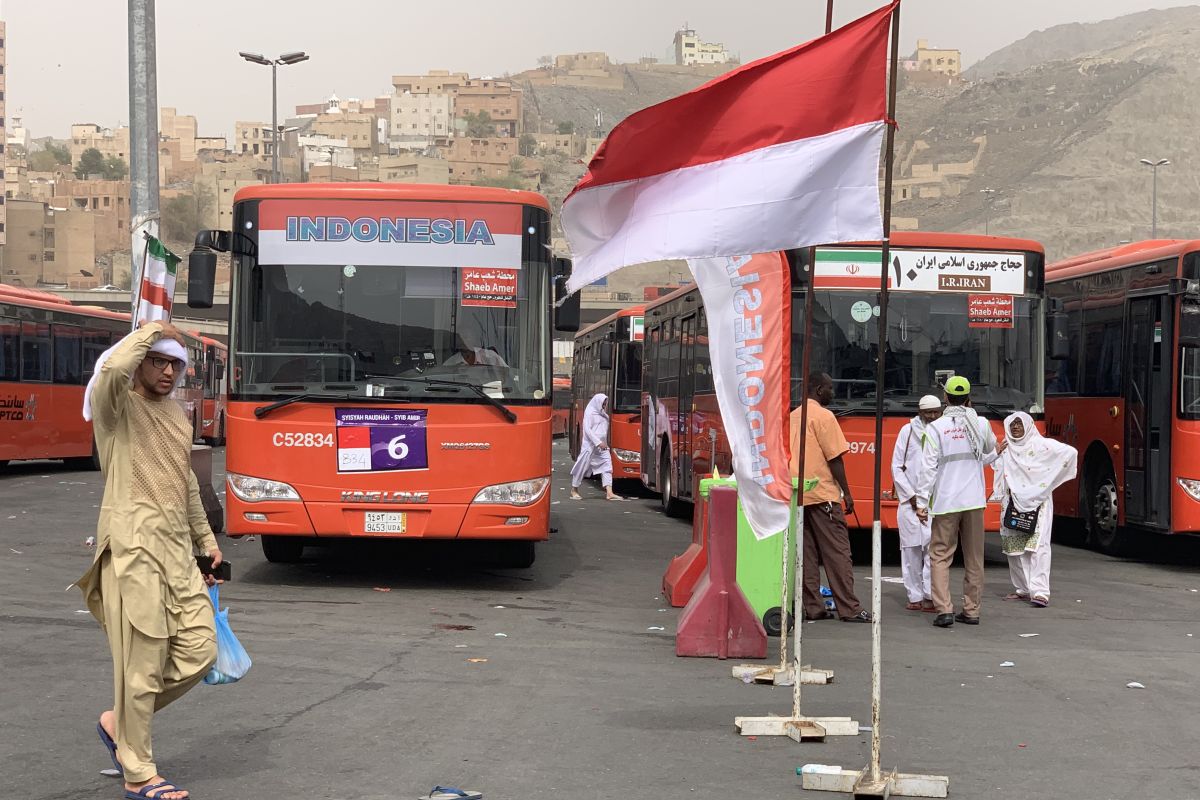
pixel 517 555
pixel 85 463
pixel 671 506
pixel 1103 532
pixel 282 549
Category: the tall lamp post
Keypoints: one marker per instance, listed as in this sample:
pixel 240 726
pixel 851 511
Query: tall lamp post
pixel 987 193
pixel 1154 165
pixel 284 60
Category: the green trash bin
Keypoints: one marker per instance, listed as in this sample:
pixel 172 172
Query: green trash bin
pixel 760 562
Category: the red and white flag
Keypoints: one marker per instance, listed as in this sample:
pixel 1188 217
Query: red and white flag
pixel 747 300
pixel 780 153
pixel 157 289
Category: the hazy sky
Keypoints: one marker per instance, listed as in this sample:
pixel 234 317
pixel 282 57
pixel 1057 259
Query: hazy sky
pixel 70 64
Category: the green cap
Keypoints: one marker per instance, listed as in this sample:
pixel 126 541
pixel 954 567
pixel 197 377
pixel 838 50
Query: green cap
pixel 958 386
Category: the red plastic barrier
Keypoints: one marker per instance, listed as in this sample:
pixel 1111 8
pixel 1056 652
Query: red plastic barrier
pixel 718 621
pixel 685 569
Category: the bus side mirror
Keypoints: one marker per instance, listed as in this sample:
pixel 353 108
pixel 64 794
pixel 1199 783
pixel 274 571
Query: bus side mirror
pixel 606 355
pixel 202 278
pixel 566 305
pixel 1060 342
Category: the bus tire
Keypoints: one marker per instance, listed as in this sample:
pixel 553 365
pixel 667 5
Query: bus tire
pixel 517 555
pixel 85 463
pixel 282 549
pixel 671 506
pixel 1103 511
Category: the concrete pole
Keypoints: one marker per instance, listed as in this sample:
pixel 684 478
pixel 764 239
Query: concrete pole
pixel 1154 203
pixel 274 127
pixel 143 138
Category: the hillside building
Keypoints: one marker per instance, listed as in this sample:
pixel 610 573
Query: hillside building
pixel 689 49
pixel 943 61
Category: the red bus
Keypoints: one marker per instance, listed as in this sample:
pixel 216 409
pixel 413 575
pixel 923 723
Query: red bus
pixel 958 305
pixel 1123 387
pixel 608 358
pixel 390 350
pixel 561 404
pixel 216 355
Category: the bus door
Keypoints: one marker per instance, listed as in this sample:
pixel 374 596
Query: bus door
pixel 1147 411
pixel 686 430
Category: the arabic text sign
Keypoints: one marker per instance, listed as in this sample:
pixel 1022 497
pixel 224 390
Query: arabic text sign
pixel 495 288
pixel 380 440
pixel 389 233
pixel 989 311
pixel 922 270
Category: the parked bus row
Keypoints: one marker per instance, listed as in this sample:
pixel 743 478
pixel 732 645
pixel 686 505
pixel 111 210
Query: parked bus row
pixel 1102 349
pixel 48 346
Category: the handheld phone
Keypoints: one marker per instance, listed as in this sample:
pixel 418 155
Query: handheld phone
pixel 221 573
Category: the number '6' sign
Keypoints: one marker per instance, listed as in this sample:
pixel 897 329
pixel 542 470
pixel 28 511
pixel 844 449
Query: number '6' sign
pixel 397 449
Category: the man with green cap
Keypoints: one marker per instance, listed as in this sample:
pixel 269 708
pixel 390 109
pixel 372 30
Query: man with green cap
pixel 951 487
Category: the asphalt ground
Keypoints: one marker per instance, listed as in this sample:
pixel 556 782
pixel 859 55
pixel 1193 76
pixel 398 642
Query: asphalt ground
pixel 359 693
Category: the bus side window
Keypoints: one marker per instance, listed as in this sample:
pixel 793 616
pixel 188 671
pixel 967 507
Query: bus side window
pixel 36 355
pixel 10 349
pixel 68 353
pixel 704 379
pixel 95 342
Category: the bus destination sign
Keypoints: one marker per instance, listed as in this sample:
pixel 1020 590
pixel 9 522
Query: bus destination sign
pixel 990 271
pixel 380 440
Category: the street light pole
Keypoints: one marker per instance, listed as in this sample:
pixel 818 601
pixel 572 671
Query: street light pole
pixel 284 60
pixel 987 208
pixel 1154 164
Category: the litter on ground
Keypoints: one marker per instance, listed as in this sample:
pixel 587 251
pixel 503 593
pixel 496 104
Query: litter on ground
pixel 1135 685
pixel 1007 664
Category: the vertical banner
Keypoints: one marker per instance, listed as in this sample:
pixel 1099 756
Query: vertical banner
pixel 747 300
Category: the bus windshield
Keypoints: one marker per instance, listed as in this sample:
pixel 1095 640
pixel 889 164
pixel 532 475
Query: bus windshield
pixel 629 378
pixel 302 326
pixel 930 339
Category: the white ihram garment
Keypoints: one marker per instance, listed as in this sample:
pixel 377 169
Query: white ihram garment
pixel 914 534
pixel 592 435
pixel 1027 473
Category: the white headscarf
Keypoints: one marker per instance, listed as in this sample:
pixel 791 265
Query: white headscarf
pixel 1032 466
pixel 165 346
pixel 595 421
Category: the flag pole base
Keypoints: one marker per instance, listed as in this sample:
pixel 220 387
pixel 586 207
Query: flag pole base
pixel 798 729
pixel 858 783
pixel 782 676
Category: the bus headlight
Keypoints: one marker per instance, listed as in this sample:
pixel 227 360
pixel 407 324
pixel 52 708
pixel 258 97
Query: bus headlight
pixel 255 490
pixel 627 455
pixel 1192 487
pixel 517 493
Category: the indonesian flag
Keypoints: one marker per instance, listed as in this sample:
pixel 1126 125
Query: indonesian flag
pixel 780 153
pixel 747 300
pixel 157 289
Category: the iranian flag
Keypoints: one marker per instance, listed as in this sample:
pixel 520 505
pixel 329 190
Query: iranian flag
pixel 157 288
pixel 781 153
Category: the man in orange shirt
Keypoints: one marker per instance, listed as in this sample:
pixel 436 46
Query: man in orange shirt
pixel 826 540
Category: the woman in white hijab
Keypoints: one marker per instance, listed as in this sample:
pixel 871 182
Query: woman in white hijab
pixel 594 458
pixel 1027 473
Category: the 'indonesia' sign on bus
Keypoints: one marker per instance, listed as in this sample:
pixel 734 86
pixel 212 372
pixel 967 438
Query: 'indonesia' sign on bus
pixel 386 233
pixel 748 303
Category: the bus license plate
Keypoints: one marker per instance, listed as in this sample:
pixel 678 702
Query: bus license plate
pixel 383 522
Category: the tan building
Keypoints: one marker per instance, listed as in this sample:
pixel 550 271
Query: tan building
pixel 406 168
pixel 107 199
pixel 109 141
pixel 16 178
pixel 500 99
pixel 50 246
pixel 472 159
pixel 252 139
pixel 3 135
pixel 180 127
pixel 569 144
pixel 416 119
pixel 357 128
pixel 689 49
pixel 935 59
pixel 436 81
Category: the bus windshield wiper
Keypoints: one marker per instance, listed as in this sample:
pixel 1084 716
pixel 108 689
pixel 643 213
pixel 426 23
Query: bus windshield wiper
pixel 262 411
pixel 432 382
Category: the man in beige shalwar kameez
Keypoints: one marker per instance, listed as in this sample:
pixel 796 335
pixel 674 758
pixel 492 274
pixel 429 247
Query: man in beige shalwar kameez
pixel 144 586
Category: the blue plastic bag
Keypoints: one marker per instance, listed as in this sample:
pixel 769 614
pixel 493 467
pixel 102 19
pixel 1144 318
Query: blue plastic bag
pixel 233 662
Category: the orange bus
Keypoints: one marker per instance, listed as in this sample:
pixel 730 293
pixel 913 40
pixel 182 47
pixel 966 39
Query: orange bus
pixel 608 358
pixel 958 305
pixel 216 354
pixel 561 405
pixel 390 350
pixel 1123 388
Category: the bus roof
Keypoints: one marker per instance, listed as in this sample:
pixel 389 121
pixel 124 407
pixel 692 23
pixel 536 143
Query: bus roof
pixel 64 306
pixel 23 293
pixel 631 311
pixel 390 191
pixel 1120 256
pixel 954 241
pixel 666 298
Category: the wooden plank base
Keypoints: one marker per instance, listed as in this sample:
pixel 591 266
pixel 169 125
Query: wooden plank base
pixel 786 726
pixel 858 785
pixel 774 676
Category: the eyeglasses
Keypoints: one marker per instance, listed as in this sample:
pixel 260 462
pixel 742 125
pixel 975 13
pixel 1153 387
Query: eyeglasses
pixel 161 363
